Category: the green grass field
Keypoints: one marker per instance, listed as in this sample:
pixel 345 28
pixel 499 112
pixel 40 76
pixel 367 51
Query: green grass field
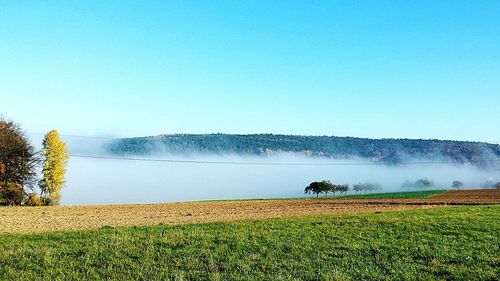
pixel 396 195
pixel 459 243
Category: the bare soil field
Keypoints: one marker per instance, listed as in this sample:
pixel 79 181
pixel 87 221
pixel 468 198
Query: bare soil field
pixel 58 218
pixel 474 194
pixel 61 218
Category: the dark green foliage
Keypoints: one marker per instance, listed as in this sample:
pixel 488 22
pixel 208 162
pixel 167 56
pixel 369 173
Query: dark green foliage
pixel 325 186
pixel 451 243
pixel 11 194
pixel 390 151
pixel 318 187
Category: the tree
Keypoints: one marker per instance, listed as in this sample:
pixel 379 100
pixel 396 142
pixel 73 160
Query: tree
pixel 358 187
pixel 314 188
pixel 343 188
pixel 333 188
pixel 408 184
pixel 319 187
pixel 424 183
pixel 326 187
pixel 55 157
pixel 457 184
pixel 18 159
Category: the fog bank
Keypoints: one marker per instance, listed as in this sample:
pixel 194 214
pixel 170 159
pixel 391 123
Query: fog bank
pixel 105 181
pixel 116 181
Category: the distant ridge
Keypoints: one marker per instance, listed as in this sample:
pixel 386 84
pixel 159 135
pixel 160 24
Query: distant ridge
pixel 390 151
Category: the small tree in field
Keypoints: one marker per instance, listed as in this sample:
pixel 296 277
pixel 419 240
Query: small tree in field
pixel 314 188
pixel 358 187
pixel 55 157
pixel 424 183
pixel 319 187
pixel 343 188
pixel 457 184
pixel 333 188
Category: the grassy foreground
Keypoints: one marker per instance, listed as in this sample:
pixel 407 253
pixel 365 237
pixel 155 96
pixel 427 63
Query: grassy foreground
pixel 439 243
pixel 395 195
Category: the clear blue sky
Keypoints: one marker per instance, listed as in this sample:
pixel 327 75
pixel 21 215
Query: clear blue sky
pixel 417 69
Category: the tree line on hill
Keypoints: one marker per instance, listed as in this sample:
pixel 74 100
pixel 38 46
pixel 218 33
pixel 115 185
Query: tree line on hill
pixel 388 151
pixel 20 163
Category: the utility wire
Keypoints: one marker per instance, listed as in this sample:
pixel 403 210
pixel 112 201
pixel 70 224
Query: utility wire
pixel 77 136
pixel 239 163
pixel 260 163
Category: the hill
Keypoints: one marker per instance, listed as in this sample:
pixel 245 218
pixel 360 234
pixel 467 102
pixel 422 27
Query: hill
pixel 390 151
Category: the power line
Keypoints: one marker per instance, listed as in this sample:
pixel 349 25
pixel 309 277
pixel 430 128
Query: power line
pixel 239 163
pixel 259 163
pixel 78 136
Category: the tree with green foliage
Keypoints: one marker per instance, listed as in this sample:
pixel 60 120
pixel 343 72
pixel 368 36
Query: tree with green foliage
pixel 327 186
pixel 333 189
pixel 12 194
pixel 55 157
pixel 319 187
pixel 343 188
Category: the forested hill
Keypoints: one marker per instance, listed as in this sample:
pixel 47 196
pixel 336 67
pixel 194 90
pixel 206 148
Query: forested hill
pixel 380 150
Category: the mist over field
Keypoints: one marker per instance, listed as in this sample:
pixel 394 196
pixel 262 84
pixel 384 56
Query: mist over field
pixel 115 181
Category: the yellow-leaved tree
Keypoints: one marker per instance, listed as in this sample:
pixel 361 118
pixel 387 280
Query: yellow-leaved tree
pixel 55 157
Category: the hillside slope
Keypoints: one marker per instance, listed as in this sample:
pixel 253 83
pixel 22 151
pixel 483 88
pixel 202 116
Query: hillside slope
pixel 390 151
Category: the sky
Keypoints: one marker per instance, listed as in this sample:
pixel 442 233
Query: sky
pixel 409 69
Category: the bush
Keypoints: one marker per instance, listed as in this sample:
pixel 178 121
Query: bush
pixel 34 200
pixel 11 194
pixel 47 201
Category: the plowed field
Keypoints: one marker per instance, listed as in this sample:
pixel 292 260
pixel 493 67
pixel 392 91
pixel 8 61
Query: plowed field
pixel 59 218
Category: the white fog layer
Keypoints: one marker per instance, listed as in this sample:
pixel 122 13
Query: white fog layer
pixel 115 181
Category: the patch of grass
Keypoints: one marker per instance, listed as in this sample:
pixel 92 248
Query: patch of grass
pixel 395 195
pixel 445 243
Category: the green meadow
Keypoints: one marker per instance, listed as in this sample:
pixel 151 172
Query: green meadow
pixel 460 243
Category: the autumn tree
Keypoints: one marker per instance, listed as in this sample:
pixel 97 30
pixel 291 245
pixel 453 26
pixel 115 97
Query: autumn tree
pixel 18 161
pixel 55 157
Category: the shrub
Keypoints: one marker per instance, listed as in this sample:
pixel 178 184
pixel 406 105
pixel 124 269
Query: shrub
pixel 34 200
pixel 12 194
pixel 47 201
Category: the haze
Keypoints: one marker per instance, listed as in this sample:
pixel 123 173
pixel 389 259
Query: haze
pixel 111 181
